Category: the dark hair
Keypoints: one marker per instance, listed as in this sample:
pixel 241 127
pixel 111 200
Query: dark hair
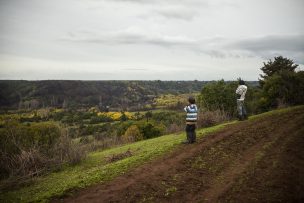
pixel 191 100
pixel 241 82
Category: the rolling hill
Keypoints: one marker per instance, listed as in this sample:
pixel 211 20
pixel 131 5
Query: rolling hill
pixel 72 93
pixel 260 159
pixel 134 95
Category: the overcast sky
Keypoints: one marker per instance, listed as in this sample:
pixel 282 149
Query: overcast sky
pixel 147 39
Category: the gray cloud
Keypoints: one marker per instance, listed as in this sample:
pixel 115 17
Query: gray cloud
pixel 135 69
pixel 182 13
pixel 162 2
pixel 273 43
pixel 265 47
pixel 154 34
pixel 269 46
pixel 133 1
pixel 129 36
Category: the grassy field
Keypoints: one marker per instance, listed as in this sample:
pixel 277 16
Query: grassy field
pixel 96 169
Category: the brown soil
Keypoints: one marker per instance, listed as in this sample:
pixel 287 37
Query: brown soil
pixel 251 161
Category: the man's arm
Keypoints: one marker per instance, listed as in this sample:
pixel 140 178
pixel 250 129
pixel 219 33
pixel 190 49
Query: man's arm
pixel 238 90
pixel 186 108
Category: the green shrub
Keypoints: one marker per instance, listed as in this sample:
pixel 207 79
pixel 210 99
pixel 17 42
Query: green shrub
pixel 168 117
pixel 132 134
pixel 219 95
pixel 25 147
pixel 15 136
pixel 150 130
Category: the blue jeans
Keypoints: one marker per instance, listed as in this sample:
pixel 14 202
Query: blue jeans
pixel 241 109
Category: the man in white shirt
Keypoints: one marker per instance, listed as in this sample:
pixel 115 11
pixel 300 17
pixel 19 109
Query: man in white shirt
pixel 241 92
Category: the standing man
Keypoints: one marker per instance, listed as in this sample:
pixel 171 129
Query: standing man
pixel 191 120
pixel 241 92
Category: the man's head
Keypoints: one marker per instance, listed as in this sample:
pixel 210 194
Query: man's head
pixel 241 82
pixel 191 100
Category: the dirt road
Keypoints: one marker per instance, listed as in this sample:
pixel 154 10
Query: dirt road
pixel 260 160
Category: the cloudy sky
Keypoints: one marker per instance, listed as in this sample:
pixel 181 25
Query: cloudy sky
pixel 147 39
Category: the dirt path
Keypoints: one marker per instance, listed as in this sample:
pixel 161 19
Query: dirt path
pixel 216 168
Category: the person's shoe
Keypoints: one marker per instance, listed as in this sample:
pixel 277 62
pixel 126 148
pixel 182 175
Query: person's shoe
pixel 185 142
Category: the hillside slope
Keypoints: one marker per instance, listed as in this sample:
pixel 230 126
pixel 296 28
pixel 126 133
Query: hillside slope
pixel 259 160
pixel 76 93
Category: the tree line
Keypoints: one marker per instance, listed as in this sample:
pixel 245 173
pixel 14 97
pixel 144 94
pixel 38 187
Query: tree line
pixel 280 85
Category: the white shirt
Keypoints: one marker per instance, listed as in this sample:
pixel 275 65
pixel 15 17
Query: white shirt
pixel 241 90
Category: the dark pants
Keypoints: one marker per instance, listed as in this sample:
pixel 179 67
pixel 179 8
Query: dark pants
pixel 190 131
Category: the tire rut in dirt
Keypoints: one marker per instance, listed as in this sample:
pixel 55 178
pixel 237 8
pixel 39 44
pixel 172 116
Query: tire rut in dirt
pixel 224 159
pixel 278 174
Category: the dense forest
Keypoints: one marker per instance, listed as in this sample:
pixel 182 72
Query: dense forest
pixel 127 95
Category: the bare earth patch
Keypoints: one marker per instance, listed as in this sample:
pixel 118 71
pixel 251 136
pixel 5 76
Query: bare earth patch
pixel 120 156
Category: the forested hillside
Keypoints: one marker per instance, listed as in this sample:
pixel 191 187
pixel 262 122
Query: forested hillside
pixel 61 93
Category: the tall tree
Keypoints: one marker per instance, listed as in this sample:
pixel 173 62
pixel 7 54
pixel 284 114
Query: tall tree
pixel 281 83
pixel 278 66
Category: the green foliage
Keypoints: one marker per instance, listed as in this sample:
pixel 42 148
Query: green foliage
pixel 151 130
pixel 75 94
pixel 285 88
pixel 123 116
pixel 121 127
pixel 15 137
pixel 100 119
pixel 281 83
pixel 171 101
pixel 95 129
pixel 132 134
pixel 168 117
pixel 255 102
pixel 279 65
pixel 18 141
pixel 68 117
pixel 95 169
pixel 219 95
pixel 138 116
pixel 148 115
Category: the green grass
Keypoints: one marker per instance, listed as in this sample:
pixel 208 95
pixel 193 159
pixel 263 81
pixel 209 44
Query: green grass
pixel 95 169
pixel 277 112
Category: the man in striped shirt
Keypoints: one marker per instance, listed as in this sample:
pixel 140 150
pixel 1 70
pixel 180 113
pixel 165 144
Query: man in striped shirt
pixel 191 120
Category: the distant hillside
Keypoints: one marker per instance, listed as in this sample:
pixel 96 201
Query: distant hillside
pixel 71 93
pixel 62 93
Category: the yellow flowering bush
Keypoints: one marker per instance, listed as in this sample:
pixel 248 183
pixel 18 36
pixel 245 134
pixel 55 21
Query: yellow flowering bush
pixel 58 110
pixel 115 115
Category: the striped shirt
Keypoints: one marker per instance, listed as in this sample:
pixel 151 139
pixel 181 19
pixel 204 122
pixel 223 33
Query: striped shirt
pixel 191 117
